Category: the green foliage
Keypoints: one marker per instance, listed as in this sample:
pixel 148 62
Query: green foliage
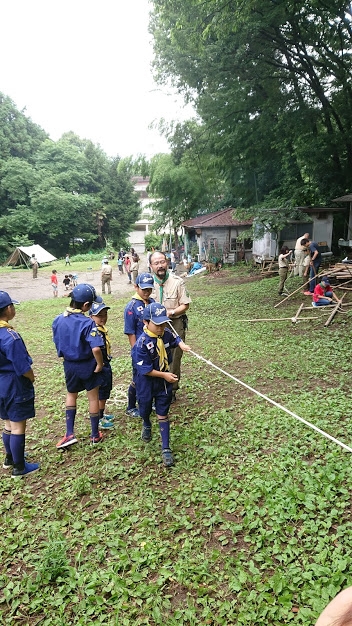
pixel 62 191
pixel 271 83
pixel 251 526
pixel 54 562
pixel 134 166
pixel 152 240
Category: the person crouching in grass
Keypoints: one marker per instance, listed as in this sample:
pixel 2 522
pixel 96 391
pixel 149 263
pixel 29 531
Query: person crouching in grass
pixel 79 342
pixel 151 356
pixel 16 390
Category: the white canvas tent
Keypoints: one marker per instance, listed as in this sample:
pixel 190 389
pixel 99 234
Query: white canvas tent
pixel 21 255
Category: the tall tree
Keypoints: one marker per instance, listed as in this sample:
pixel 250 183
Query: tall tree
pixel 64 190
pixel 272 84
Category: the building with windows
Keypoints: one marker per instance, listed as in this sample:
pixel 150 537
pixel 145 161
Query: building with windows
pixel 319 224
pixel 220 236
pixel 216 236
pixel 144 225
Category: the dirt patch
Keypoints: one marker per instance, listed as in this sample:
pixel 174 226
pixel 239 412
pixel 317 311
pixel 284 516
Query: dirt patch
pixel 23 287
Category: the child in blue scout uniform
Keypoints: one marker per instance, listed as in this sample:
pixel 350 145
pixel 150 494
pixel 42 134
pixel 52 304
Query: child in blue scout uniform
pixel 99 314
pixel 79 342
pixel 151 356
pixel 134 325
pixel 16 390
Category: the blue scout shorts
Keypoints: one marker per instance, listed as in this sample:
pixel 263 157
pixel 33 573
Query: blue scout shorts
pixel 106 385
pixel 16 398
pixel 148 389
pixel 79 375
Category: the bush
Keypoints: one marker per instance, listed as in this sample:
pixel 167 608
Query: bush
pixel 153 241
pixel 90 256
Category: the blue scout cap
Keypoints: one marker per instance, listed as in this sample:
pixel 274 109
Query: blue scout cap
pixel 156 313
pixel 5 300
pixel 145 281
pixel 85 293
pixel 325 280
pixel 97 307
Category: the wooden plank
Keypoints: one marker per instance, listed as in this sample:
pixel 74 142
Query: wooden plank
pixel 299 289
pixel 298 312
pixel 333 313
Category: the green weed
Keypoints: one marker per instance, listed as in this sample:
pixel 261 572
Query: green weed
pixel 251 526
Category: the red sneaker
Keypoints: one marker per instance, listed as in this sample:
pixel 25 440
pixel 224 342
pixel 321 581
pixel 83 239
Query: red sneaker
pixel 95 440
pixel 308 293
pixel 66 441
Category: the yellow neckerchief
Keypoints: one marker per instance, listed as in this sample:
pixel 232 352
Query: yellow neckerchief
pixel 70 310
pixel 138 297
pixel 4 324
pixel 104 330
pixel 160 348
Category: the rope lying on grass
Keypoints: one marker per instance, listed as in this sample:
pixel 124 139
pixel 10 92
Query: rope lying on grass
pixel 279 406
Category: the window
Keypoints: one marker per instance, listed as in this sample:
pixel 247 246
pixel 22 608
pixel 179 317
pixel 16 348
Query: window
pixel 291 232
pixel 239 244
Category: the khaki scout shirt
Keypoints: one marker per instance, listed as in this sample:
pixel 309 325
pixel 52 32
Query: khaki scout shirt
pixel 174 293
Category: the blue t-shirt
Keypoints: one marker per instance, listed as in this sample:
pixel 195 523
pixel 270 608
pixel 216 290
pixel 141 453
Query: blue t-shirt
pixel 75 335
pixel 14 356
pixel 312 248
pixel 133 317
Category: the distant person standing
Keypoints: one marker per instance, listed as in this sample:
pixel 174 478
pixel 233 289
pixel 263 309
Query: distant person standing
pixel 120 264
pixel 149 254
pixel 34 265
pixel 173 261
pixel 283 269
pixel 315 262
pixel 128 268
pixel 54 283
pixel 67 259
pixel 134 268
pixel 106 276
pixel 300 253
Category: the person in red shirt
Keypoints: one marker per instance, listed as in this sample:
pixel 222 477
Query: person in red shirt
pixel 128 268
pixel 54 283
pixel 323 294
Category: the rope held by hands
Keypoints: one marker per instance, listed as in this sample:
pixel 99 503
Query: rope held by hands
pixel 279 406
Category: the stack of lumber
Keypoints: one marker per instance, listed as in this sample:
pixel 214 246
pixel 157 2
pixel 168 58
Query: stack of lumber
pixel 341 271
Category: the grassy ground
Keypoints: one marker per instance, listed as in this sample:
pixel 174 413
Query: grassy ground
pixel 251 526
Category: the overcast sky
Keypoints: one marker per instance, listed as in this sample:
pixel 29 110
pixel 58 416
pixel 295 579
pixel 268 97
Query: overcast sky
pixel 85 66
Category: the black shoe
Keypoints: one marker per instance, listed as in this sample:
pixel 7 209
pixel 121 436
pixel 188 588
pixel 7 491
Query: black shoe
pixel 168 459
pixel 8 461
pixel 146 434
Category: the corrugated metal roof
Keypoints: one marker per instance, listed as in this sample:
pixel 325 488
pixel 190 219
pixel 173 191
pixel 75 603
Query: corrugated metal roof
pixel 347 198
pixel 216 219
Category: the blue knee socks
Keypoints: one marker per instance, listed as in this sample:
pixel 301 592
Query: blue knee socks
pixel 132 397
pixel 17 443
pixel 70 420
pixel 164 426
pixel 94 423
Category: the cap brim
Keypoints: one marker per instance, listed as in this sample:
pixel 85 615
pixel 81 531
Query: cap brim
pixel 161 320
pixel 15 302
pixel 102 308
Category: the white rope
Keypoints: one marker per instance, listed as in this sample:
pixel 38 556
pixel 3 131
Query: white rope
pixel 279 406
